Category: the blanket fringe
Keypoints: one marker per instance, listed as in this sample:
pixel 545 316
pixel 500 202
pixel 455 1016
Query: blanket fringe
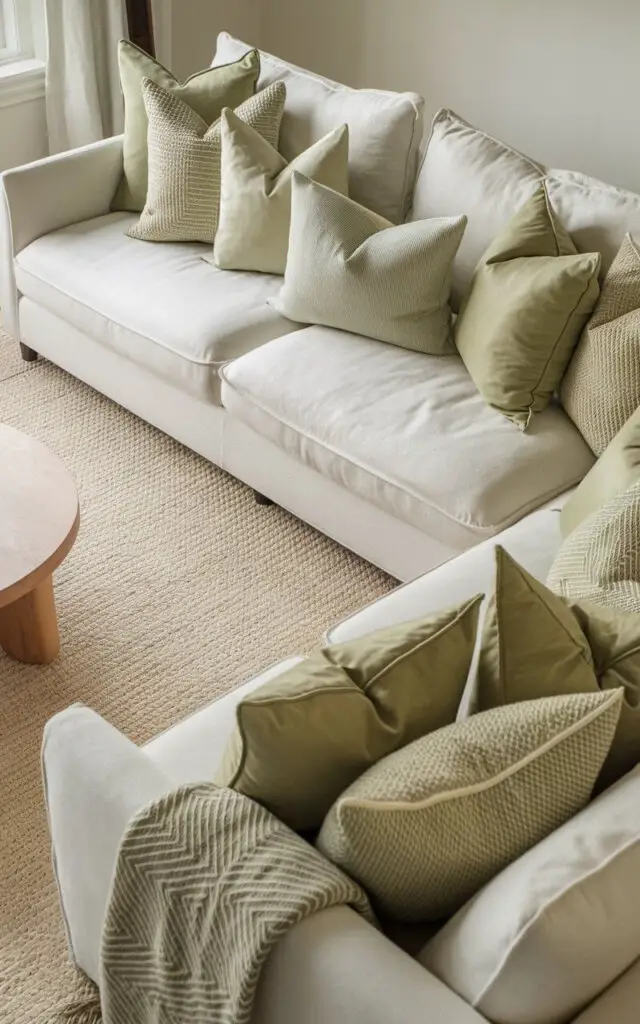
pixel 81 1011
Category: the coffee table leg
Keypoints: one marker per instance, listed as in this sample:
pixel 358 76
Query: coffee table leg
pixel 29 626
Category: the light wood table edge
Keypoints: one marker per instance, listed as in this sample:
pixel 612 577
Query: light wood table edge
pixel 40 574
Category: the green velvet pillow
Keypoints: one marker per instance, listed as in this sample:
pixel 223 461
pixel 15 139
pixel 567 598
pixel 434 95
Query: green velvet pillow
pixel 614 472
pixel 530 298
pixel 206 92
pixel 536 644
pixel 303 738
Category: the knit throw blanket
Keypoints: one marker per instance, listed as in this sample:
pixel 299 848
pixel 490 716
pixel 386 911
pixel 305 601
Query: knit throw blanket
pixel 205 885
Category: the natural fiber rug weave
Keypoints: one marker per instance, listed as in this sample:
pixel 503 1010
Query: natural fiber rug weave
pixel 177 589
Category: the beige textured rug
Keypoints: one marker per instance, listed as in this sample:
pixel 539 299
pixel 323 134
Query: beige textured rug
pixel 178 588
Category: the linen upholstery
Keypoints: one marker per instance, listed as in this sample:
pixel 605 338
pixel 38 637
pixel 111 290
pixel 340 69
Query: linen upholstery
pixel 325 398
pixel 464 170
pixel 613 473
pixel 303 738
pixel 183 196
pixel 255 193
pixel 349 268
pixel 426 827
pixel 206 93
pixel 601 388
pixel 557 926
pixel 535 644
pixel 600 560
pixel 385 128
pixel 530 298
pixel 160 306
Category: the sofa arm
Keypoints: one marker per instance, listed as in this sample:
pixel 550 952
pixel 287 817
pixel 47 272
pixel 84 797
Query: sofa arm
pixel 334 966
pixel 95 780
pixel 50 194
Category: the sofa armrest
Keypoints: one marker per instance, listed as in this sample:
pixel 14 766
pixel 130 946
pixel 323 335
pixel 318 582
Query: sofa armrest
pixel 50 194
pixel 334 966
pixel 95 781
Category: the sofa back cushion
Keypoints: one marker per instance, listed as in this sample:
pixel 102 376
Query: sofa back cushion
pixel 466 171
pixel 385 128
pixel 556 927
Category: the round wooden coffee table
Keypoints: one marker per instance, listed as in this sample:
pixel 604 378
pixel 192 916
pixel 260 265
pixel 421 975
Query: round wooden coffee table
pixel 39 519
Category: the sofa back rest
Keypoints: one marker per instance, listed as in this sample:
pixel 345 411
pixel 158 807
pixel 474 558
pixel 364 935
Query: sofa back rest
pixel 464 170
pixel 385 128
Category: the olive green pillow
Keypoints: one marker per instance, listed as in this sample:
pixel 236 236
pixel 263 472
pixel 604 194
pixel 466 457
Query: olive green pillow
pixel 536 644
pixel 601 387
pixel 206 92
pixel 425 828
pixel 614 472
pixel 530 298
pixel 303 738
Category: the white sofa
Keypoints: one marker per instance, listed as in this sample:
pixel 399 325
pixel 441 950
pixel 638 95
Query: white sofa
pixel 334 967
pixel 392 453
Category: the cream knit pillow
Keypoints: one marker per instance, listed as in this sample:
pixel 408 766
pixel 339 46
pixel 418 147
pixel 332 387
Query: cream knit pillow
pixel 601 388
pixel 429 825
pixel 184 163
pixel 255 193
pixel 350 268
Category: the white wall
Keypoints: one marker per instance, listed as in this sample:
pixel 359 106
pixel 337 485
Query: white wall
pixel 555 78
pixel 23 133
pixel 196 23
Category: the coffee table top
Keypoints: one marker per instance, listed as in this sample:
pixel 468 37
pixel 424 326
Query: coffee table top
pixel 39 515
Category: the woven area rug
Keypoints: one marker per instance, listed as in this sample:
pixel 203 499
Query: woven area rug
pixel 178 588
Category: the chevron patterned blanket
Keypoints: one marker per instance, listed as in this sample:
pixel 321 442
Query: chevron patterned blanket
pixel 205 885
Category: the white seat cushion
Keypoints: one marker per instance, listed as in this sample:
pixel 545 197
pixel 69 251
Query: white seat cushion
pixel 405 431
pixel 162 306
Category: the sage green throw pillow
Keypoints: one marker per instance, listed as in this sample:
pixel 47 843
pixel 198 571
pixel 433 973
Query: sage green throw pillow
pixel 530 298
pixel 183 197
pixel 255 193
pixel 601 387
pixel 350 268
pixel 535 644
pixel 302 739
pixel 614 473
pixel 206 93
pixel 426 828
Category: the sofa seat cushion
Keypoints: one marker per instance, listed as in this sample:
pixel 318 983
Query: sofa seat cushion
pixel 407 432
pixel 161 306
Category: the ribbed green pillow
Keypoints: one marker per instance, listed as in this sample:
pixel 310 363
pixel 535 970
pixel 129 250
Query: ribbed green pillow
pixel 425 828
pixel 530 298
pixel 302 739
pixel 206 93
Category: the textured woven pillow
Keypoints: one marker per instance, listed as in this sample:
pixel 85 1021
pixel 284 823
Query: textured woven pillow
pixel 301 740
pixel 184 163
pixel 535 644
pixel 255 193
pixel 601 388
pixel 530 298
pixel 425 828
pixel 350 268
pixel 206 92
pixel 614 472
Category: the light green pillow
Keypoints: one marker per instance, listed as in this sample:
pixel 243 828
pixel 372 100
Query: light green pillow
pixel 305 737
pixel 184 163
pixel 350 268
pixel 601 387
pixel 614 472
pixel 427 827
pixel 530 298
pixel 206 92
pixel 255 193
pixel 536 644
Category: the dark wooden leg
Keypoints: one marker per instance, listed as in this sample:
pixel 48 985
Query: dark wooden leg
pixel 28 354
pixel 261 499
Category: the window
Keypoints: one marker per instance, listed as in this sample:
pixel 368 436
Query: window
pixel 21 22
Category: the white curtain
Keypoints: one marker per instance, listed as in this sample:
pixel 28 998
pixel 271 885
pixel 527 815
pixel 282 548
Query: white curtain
pixel 84 101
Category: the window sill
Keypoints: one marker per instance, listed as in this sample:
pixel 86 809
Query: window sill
pixel 21 81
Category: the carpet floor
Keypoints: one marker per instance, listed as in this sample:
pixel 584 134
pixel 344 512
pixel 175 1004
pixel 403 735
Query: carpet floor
pixel 178 588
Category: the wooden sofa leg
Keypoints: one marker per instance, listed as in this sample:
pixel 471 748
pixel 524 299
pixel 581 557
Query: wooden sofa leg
pixel 261 499
pixel 28 354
